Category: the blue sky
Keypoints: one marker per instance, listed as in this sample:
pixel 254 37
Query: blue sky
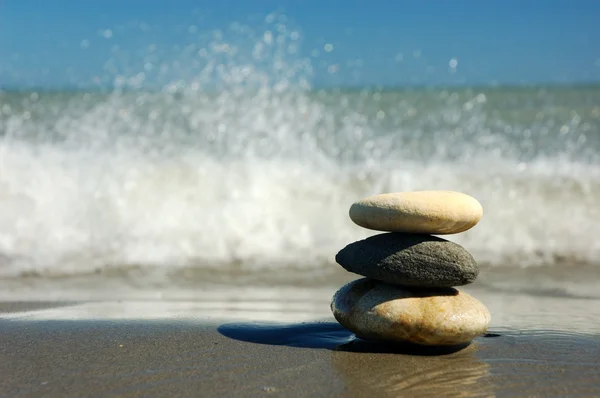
pixel 70 43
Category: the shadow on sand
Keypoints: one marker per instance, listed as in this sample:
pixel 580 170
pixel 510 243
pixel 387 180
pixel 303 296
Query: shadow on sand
pixel 323 335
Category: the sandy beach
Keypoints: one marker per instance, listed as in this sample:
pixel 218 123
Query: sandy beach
pixel 536 347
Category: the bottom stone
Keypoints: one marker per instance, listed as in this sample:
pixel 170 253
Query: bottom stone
pixel 379 311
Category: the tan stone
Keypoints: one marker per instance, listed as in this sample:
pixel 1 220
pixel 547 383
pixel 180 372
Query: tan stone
pixel 423 212
pixel 378 311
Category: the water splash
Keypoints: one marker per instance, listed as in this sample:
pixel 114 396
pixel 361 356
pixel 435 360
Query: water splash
pixel 222 156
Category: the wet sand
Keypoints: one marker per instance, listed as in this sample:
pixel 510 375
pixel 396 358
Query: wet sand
pixel 56 351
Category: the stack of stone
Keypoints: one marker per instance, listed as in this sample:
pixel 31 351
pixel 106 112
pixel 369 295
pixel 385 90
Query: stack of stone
pixel 408 294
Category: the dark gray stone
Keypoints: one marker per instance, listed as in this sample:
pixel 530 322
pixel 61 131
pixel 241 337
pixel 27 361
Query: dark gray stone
pixel 410 260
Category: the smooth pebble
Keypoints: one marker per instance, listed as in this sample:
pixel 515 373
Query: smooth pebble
pixel 423 212
pixel 379 311
pixel 410 260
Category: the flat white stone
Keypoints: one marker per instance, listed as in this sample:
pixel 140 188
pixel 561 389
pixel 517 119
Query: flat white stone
pixel 423 212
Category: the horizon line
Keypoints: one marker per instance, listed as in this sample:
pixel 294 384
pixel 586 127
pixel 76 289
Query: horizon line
pixel 366 87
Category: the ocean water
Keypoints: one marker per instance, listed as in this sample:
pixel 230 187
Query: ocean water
pixel 241 171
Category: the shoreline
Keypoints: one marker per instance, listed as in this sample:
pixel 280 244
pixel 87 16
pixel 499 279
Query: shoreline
pixel 247 340
pixel 512 310
pixel 201 356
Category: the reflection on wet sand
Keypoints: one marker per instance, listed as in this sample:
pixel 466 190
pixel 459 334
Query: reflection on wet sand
pixel 506 361
pixel 455 374
pixel 377 369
